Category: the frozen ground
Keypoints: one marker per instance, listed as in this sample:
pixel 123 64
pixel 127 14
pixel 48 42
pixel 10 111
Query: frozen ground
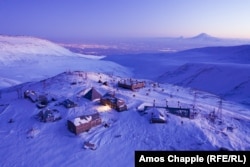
pixel 50 144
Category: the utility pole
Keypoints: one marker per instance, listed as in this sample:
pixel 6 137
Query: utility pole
pixel 220 110
pixel 194 101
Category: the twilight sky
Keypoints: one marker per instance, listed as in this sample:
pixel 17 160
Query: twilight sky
pixel 76 19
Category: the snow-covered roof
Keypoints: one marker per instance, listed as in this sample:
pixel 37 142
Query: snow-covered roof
pixel 158 114
pixel 78 121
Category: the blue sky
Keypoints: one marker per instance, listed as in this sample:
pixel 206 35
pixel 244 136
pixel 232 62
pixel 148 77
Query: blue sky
pixel 76 19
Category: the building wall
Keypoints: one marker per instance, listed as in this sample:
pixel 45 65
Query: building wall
pixel 83 127
pixel 132 86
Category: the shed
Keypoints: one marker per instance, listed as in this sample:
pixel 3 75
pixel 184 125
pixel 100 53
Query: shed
pixel 48 115
pixel 183 112
pixel 131 84
pixel 92 94
pixel 84 123
pixel 157 117
pixel 113 102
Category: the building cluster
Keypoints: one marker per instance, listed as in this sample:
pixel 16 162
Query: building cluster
pixel 84 123
pixel 41 99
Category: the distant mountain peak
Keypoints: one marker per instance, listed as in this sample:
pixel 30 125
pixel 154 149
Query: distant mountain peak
pixel 204 37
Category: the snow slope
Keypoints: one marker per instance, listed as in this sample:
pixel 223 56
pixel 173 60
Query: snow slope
pixel 5 82
pixel 227 80
pixel 217 54
pixel 21 48
pixel 224 71
pixel 24 59
pixel 29 142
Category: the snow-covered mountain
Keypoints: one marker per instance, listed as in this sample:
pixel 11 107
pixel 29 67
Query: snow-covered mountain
pixel 239 54
pixel 27 141
pixel 24 59
pixel 219 70
pixel 179 80
pixel 230 81
pixel 204 37
pixel 22 48
pixel 223 71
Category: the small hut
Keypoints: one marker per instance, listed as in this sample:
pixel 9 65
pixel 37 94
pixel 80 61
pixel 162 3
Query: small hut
pixel 157 116
pixel 92 94
pixel 48 115
pixel 84 123
pixel 131 84
pixel 113 102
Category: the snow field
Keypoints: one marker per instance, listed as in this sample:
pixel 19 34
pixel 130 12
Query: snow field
pixel 36 143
